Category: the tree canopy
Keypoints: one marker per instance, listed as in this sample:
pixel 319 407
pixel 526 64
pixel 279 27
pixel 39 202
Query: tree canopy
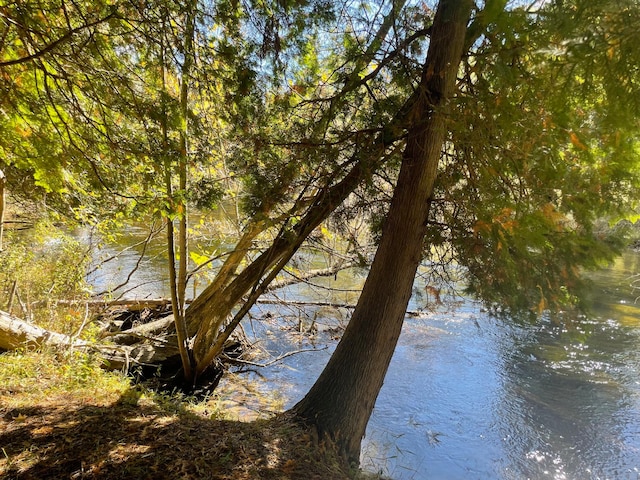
pixel 303 113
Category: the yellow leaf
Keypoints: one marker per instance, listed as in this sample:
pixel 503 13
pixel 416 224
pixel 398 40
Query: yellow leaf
pixel 553 215
pixel 20 418
pixel 480 227
pixel 197 258
pixel 325 232
pixel 541 306
pixel 23 131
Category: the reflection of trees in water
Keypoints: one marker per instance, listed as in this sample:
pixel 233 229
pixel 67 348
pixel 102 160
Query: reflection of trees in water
pixel 619 284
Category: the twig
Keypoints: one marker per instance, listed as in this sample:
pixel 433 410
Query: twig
pixel 14 287
pixel 305 303
pixel 51 46
pixel 125 333
pixel 153 232
pixel 300 303
pixel 145 243
pixel 73 337
pixel 323 272
pixel 275 360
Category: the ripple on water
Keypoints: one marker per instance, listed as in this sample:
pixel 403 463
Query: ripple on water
pixel 471 397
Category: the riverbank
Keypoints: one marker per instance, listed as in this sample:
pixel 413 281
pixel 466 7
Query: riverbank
pixel 68 419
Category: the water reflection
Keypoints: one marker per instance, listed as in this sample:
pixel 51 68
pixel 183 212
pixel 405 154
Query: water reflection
pixel 128 267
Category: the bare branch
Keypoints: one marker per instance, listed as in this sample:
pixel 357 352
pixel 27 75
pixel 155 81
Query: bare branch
pixel 279 358
pixel 324 272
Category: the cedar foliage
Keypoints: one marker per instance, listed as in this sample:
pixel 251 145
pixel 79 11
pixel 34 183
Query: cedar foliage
pixel 296 109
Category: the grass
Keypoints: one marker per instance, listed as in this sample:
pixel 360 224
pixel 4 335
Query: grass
pixel 62 416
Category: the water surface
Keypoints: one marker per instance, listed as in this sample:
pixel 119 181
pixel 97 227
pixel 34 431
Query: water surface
pixel 469 396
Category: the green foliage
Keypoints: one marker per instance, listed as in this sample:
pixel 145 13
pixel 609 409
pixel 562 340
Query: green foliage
pixel 206 194
pixel 47 262
pixel 34 376
pixel 538 153
pixel 40 267
pixel 283 98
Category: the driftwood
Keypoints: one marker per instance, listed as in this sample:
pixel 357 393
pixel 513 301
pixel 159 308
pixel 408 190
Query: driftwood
pixel 160 327
pixel 16 333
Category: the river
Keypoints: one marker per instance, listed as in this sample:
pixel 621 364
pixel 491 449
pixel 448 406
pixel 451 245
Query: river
pixel 470 396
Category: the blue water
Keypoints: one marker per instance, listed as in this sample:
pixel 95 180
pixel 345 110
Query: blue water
pixel 469 396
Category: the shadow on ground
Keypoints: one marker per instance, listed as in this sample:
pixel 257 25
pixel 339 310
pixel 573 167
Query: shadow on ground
pixel 136 439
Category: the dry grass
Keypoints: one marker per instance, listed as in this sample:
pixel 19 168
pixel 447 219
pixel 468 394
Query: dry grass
pixel 62 419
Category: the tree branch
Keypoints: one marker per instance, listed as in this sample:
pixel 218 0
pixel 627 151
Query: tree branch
pixel 64 38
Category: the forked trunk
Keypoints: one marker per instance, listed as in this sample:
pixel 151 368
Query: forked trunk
pixel 212 308
pixel 341 401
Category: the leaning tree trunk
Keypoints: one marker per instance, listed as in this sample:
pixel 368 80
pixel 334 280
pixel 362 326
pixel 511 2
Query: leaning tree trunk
pixel 212 308
pixel 3 181
pixel 341 401
pixel 210 315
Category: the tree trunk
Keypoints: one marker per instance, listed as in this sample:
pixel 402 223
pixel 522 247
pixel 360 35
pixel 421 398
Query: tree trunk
pixel 183 164
pixel 177 278
pixel 3 181
pixel 341 401
pixel 212 308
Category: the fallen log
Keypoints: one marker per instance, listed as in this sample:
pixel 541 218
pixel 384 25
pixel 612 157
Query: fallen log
pixel 16 333
pixel 129 304
pixel 157 328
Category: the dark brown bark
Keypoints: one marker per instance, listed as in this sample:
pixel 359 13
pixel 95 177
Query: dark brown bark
pixel 341 401
pixel 3 182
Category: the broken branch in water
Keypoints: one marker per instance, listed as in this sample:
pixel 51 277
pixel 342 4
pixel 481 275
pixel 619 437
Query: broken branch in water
pixel 279 358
